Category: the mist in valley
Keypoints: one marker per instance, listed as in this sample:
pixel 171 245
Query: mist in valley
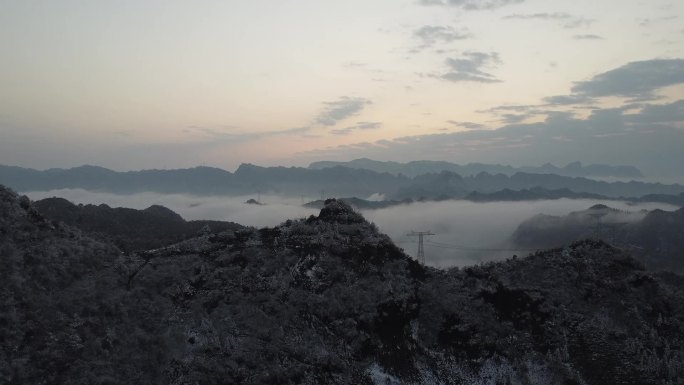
pixel 466 232
pixel 471 232
pixel 272 211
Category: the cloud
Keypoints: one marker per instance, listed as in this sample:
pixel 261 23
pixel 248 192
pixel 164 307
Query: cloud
pixel 470 5
pixel 515 113
pixel 636 79
pixel 468 125
pixel 648 135
pixel 642 132
pixel 649 139
pixel 564 100
pixel 341 109
pixel 587 37
pixel 659 113
pixel 514 118
pixel 568 20
pixel 354 64
pixel 659 20
pixel 542 16
pixel 357 126
pixel 433 34
pixel 469 68
pixel 368 125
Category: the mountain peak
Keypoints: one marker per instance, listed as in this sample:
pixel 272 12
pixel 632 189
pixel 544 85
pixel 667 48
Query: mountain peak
pixel 337 211
pixel 163 212
pixel 246 167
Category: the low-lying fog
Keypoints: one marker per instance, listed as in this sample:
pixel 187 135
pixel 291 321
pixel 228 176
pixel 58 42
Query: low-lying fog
pixel 466 232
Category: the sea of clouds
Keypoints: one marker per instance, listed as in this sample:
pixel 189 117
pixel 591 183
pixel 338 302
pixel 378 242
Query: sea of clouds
pixel 466 232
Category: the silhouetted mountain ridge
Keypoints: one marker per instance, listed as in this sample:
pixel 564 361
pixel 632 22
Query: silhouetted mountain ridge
pixel 336 181
pixel 535 193
pixel 415 168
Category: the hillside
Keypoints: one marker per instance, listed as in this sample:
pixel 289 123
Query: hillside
pixel 129 229
pixel 656 238
pixel 323 300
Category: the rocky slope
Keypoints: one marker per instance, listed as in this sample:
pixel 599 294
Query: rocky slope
pixel 323 300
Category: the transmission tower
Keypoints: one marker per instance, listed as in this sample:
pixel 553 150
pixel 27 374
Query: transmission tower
pixel 421 249
pixel 597 227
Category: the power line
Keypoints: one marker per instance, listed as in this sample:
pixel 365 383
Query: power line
pixel 450 246
pixel 597 227
pixel 469 248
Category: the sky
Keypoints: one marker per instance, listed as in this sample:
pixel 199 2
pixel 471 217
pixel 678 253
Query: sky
pixel 139 84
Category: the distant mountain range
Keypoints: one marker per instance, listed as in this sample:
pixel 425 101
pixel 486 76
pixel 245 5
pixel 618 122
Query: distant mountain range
pixel 656 237
pixel 247 179
pixel 323 300
pixel 336 181
pixel 448 185
pixel 415 168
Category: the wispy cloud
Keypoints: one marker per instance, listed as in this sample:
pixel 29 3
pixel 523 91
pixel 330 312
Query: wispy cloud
pixel 468 125
pixel 527 110
pixel 542 16
pixel 647 22
pixel 566 100
pixel 567 20
pixel 354 64
pixel 356 127
pixel 470 5
pixel 514 114
pixel 514 118
pixel 587 37
pixel 341 109
pixel 430 35
pixel 470 68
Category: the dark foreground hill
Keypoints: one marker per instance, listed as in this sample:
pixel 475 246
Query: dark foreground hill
pixel 129 229
pixel 656 238
pixel 323 300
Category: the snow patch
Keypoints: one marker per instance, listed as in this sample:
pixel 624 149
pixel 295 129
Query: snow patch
pixel 380 377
